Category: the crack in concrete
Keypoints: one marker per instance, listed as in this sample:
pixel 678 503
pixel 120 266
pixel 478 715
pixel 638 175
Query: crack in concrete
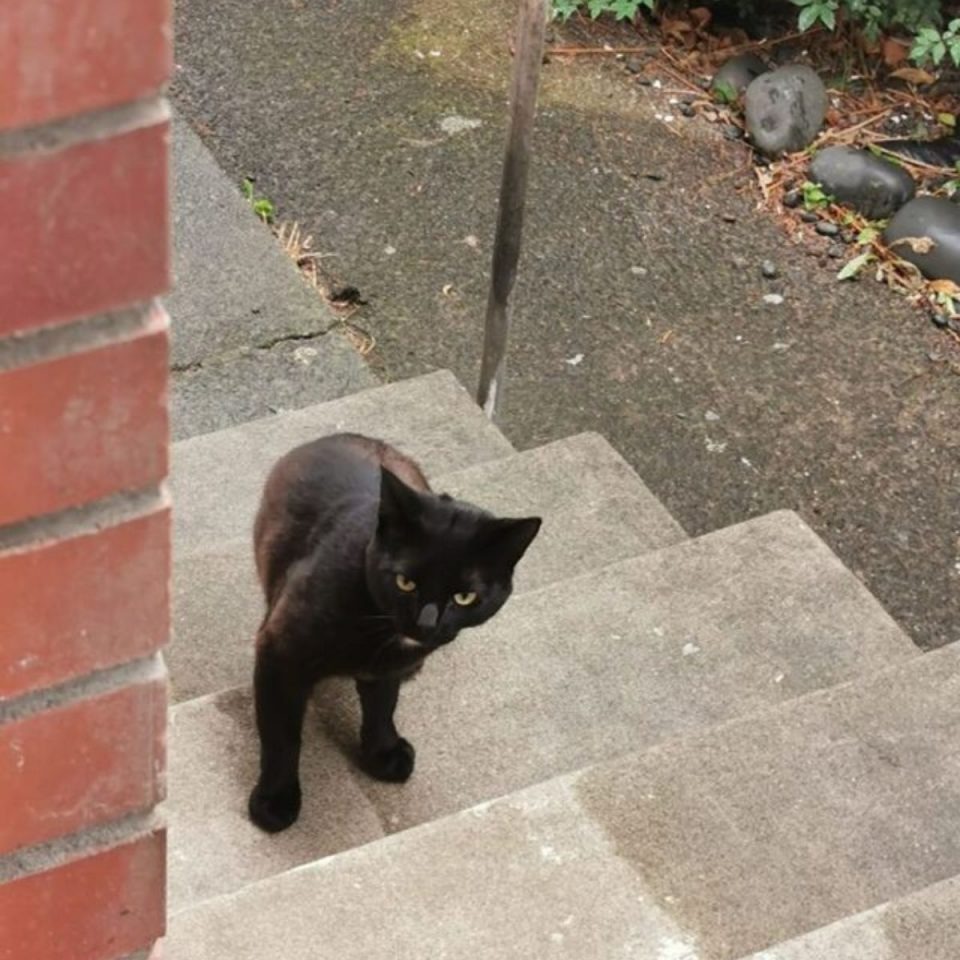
pixel 248 349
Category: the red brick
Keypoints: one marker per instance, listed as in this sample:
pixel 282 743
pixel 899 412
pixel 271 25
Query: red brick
pixel 62 57
pixel 80 427
pixel 82 764
pixel 99 907
pixel 84 229
pixel 69 607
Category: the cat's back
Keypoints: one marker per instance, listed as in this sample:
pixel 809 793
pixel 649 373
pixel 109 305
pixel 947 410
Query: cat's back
pixel 326 486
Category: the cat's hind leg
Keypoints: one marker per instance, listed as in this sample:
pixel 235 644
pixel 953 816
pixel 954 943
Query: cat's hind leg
pixel 385 754
pixel 280 696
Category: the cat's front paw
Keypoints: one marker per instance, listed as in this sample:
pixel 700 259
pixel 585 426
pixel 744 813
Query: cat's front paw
pixel 274 811
pixel 394 764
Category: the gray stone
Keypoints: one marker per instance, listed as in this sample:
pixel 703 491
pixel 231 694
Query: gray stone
pixel 233 284
pixel 733 78
pixel 785 109
pixel 926 232
pixel 258 382
pixel 235 290
pixel 596 511
pixel 587 669
pixel 744 838
pixel 871 185
pixel 769 269
pixel 432 417
pixel 827 228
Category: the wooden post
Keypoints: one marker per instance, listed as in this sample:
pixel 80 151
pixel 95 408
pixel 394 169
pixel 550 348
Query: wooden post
pixel 531 29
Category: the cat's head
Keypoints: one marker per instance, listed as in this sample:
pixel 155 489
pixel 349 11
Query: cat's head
pixel 436 565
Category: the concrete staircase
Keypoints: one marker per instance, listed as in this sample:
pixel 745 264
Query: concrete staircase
pixel 663 748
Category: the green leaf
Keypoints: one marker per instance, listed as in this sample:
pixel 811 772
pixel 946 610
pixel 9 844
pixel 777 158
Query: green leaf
pixel 829 18
pixel 813 195
pixel 264 209
pixel 867 235
pixel 565 9
pixel 246 188
pixel 624 9
pixel 808 17
pixel 852 268
pixel 725 92
pixel 947 119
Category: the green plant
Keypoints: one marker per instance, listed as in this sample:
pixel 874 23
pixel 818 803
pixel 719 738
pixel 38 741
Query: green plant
pixel 725 92
pixel 813 196
pixel 817 11
pixel 933 45
pixel 262 207
pixel 921 19
pixel 851 269
pixel 621 9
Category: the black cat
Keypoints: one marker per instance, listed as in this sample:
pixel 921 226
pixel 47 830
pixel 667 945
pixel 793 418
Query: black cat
pixel 366 572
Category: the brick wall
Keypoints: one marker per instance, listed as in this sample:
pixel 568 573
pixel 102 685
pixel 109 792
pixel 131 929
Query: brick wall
pixel 84 516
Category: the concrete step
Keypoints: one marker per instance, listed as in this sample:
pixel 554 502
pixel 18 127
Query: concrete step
pixel 249 335
pixel 217 477
pixel 580 671
pixel 719 845
pixel 922 926
pixel 596 511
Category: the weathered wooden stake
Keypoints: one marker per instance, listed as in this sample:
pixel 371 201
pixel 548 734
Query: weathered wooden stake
pixel 531 29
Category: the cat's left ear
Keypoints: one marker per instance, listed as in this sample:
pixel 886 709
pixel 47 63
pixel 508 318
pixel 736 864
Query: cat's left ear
pixel 509 538
pixel 399 504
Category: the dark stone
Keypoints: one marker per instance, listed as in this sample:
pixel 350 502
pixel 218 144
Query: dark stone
pixel 836 251
pixel 769 269
pixel 827 229
pixel 940 320
pixel 732 132
pixel 808 216
pixel 874 187
pixel 736 75
pixel 687 110
pixel 792 198
pixel 934 219
pixel 634 65
pixel 785 109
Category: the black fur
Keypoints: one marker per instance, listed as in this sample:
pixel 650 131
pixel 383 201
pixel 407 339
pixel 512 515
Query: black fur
pixel 341 518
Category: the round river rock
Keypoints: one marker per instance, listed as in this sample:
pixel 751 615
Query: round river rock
pixel 737 74
pixel 871 185
pixel 785 109
pixel 933 226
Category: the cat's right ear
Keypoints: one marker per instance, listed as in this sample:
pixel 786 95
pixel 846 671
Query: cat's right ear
pixel 399 505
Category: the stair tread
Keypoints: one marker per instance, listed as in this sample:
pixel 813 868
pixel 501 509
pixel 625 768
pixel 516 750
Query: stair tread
pixel 587 669
pixel 921 926
pixel 719 844
pixel 596 511
pixel 431 417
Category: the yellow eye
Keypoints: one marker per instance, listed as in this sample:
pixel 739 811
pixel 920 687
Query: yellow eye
pixel 464 599
pixel 407 586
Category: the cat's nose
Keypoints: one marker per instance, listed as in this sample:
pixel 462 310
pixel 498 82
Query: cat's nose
pixel 429 614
